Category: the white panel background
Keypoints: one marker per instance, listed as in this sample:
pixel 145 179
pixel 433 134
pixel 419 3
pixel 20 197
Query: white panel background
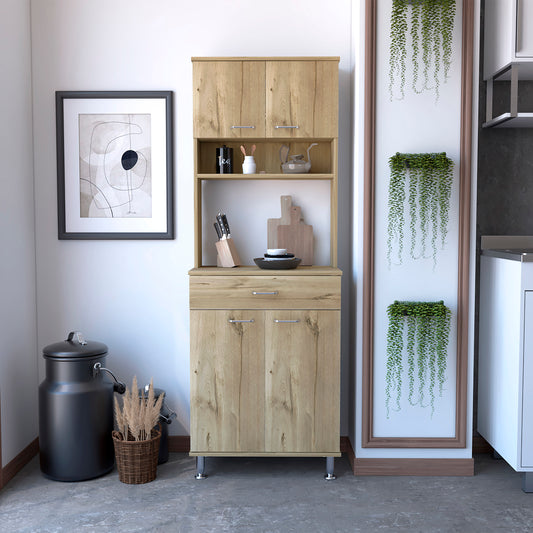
pixel 416 124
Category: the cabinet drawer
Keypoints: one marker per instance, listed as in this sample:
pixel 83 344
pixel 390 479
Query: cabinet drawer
pixel 265 292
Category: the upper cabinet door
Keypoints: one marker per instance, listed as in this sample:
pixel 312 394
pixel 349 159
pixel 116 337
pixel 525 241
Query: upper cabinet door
pixel 301 98
pixel 524 28
pixel 229 99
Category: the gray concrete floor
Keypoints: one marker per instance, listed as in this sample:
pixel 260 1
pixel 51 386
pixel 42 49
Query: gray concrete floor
pixel 269 495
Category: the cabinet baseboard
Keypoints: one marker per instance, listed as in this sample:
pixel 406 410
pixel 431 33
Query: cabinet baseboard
pixel 179 443
pixel 413 467
pixel 19 462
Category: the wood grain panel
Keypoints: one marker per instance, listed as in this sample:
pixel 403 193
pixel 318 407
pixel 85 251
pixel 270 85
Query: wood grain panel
pixel 288 292
pixel 19 461
pixel 227 382
pixel 290 98
pixel 326 113
pixel 302 381
pixel 268 58
pixel 413 467
pixel 226 94
pixel 257 272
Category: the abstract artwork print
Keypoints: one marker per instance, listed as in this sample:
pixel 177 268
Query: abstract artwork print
pixel 115 165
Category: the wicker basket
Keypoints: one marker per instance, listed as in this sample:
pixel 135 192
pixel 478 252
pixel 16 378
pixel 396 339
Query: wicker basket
pixel 137 459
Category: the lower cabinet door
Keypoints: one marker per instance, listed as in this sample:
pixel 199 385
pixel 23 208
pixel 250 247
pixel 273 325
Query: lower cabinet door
pixel 227 381
pixel 526 444
pixel 302 363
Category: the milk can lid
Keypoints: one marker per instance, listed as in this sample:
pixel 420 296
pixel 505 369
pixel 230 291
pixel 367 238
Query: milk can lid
pixel 74 347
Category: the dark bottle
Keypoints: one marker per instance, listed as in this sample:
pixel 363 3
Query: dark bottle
pixel 224 160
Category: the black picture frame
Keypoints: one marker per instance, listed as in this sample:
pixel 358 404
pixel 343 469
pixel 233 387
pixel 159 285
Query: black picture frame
pixel 100 195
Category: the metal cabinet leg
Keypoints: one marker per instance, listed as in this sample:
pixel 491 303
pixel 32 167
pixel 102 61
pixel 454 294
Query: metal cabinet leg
pixel 330 468
pixel 200 467
pixel 527 481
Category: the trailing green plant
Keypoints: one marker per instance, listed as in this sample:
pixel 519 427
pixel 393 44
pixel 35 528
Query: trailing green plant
pixel 430 27
pixel 424 329
pixel 428 199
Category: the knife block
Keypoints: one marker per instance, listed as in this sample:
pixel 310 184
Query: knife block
pixel 227 253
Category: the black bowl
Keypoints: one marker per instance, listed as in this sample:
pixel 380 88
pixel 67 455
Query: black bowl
pixel 283 264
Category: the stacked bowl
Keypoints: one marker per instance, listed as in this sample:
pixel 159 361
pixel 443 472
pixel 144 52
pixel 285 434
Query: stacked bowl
pixel 277 259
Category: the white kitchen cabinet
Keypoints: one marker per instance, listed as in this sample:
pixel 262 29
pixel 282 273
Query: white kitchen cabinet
pixel 508 56
pixel 505 370
pixel 508 36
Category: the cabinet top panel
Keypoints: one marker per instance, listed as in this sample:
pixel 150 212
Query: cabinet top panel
pixel 283 58
pixel 255 271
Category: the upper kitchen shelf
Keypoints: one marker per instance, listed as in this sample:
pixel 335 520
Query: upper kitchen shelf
pixel 512 118
pixel 267 157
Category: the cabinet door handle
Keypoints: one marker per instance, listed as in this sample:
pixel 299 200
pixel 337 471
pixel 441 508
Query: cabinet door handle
pixel 286 127
pixel 233 321
pixel 277 321
pixel 255 293
pixel 243 127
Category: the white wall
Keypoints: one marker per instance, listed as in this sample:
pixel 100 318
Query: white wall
pixel 18 344
pixel 133 296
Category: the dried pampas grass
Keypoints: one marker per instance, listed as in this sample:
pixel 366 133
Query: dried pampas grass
pixel 138 414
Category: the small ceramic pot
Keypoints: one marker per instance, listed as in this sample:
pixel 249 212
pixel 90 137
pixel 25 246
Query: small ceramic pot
pixel 249 167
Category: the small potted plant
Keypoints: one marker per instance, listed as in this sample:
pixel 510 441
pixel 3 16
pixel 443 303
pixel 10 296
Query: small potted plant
pixel 137 436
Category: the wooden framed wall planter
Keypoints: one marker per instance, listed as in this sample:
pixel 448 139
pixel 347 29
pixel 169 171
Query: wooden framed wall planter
pixel 383 277
pixel 426 181
pixel 114 164
pixel 427 25
pixel 426 328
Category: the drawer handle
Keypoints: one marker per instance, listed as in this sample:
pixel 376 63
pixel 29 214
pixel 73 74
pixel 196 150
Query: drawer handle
pixel 255 293
pixel 243 127
pixel 233 321
pixel 286 127
pixel 277 321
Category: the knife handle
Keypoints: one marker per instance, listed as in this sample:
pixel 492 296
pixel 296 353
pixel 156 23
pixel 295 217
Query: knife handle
pixel 226 225
pixel 217 229
pixel 221 225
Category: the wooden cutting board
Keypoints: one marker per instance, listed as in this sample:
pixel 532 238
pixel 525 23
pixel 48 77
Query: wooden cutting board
pixel 297 237
pixel 273 223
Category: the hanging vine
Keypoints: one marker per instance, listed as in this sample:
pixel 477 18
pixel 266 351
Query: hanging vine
pixel 427 335
pixel 430 28
pixel 429 190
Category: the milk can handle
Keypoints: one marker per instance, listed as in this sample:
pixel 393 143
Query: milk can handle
pixel 118 386
pixel 79 337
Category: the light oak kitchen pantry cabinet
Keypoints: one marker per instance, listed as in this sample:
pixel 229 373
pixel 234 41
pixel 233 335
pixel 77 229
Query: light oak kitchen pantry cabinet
pixel 265 344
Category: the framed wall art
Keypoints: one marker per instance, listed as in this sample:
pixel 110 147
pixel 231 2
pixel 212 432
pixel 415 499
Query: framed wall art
pixel 114 164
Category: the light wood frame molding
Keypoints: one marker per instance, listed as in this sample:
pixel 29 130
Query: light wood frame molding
pixel 368 440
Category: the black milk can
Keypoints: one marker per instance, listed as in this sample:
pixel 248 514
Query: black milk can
pixel 76 411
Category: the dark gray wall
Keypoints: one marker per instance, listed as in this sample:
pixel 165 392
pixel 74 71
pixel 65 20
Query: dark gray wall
pixel 505 180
